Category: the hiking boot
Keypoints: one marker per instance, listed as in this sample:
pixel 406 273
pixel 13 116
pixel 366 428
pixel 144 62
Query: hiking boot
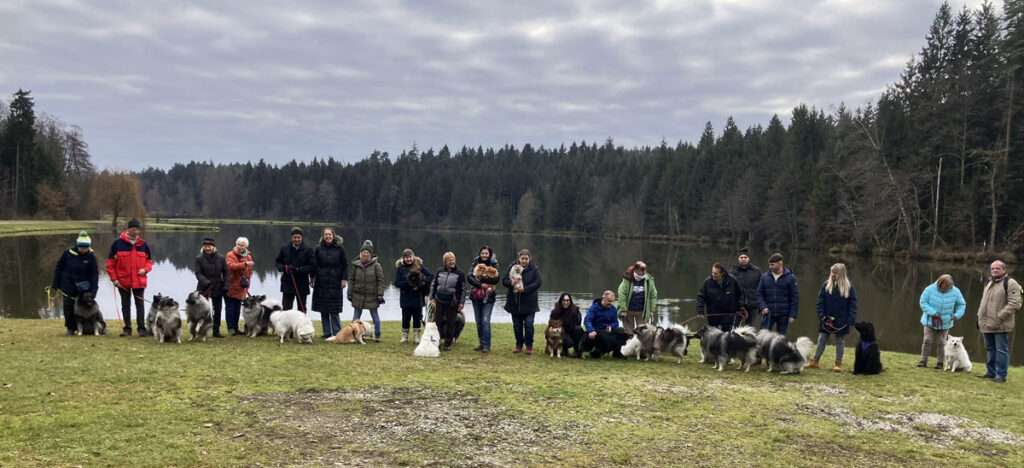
pixel 126 332
pixel 813 364
pixel 478 348
pixel 939 366
pixel 529 350
pixel 405 336
pixel 143 332
pixel 416 335
pixel 838 367
pixel 999 379
pixel 518 350
pixel 922 364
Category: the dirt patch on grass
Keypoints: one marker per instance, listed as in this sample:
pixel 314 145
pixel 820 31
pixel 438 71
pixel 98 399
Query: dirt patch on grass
pixel 819 389
pixel 404 426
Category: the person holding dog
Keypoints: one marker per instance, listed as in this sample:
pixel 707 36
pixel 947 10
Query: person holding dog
pixel 521 300
pixel 566 312
pixel 601 325
pixel 295 262
pixel 638 297
pixel 483 295
pixel 211 270
pixel 942 304
pixel 330 277
pixel 1000 301
pixel 837 312
pixel 778 296
pixel 413 282
pixel 128 267
pixel 367 286
pixel 77 272
pixel 719 299
pixel 240 265
pixel 447 294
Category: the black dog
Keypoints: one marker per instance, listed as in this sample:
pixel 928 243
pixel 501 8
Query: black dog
pixel 869 357
pixel 604 343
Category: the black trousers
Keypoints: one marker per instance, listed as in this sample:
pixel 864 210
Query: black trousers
pixel 218 304
pixel 572 339
pixel 69 314
pixel 288 300
pixel 140 307
pixel 414 315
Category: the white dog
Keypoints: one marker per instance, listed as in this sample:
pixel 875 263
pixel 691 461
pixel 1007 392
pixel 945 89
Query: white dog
pixel 292 323
pixel 956 355
pixel 632 348
pixel 430 342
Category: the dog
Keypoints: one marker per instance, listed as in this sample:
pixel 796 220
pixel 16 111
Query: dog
pixel 256 311
pixel 351 333
pixel 868 360
pixel 430 342
pixel 674 340
pixel 166 326
pixel 483 272
pixel 643 343
pixel 785 356
pixel 765 338
pixel 604 343
pixel 199 311
pixel 515 276
pixel 956 355
pixel 631 348
pixel 553 339
pixel 719 347
pixel 88 315
pixel 292 323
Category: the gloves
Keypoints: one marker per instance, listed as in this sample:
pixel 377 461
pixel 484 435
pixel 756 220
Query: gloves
pixel 380 299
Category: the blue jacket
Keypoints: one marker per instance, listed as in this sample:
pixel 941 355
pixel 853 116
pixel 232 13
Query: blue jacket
pixel 782 297
pixel 948 305
pixel 843 310
pixel 600 317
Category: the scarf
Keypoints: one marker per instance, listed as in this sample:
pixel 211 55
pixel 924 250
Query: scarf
pixel 639 277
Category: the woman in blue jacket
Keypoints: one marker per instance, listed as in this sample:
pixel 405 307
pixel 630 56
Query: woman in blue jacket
pixel 77 272
pixel 837 312
pixel 941 305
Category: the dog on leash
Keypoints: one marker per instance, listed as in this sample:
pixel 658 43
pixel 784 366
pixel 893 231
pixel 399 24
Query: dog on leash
pixel 553 338
pixel 720 347
pixel 430 342
pixel 642 344
pixel 166 326
pixel 351 333
pixel 783 355
pixel 199 311
pixel 88 315
pixel 294 324
pixel 868 360
pixel 956 355
pixel 674 340
pixel 256 311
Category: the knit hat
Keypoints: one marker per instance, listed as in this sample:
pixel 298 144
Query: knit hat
pixel 744 251
pixel 367 246
pixel 209 241
pixel 135 223
pixel 83 240
pixel 297 230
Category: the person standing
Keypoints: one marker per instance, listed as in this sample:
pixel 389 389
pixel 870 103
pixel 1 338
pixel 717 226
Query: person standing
pixel 566 311
pixel 367 288
pixel 330 278
pixel 128 267
pixel 77 272
pixel 521 300
pixel 638 297
pixel 240 265
pixel 447 294
pixel 778 296
pixel 837 312
pixel 413 282
pixel 719 299
pixel 748 276
pixel 211 270
pixel 295 263
pixel 942 304
pixel 483 296
pixel 1000 301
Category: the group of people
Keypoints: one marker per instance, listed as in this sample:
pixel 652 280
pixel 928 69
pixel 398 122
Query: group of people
pixel 727 298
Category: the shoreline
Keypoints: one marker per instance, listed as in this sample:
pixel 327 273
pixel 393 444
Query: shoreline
pixel 32 227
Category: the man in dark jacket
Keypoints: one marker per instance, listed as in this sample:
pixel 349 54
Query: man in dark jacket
pixel 211 271
pixel 719 299
pixel 778 296
pixel 748 276
pixel 295 263
pixel 77 272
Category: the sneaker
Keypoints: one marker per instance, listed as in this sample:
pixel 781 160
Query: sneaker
pixel 813 364
pixel 999 380
pixel 485 350
pixel 144 332
pixel 922 364
pixel 939 366
pixel 126 332
pixel 529 350
pixel 518 350
pixel 376 339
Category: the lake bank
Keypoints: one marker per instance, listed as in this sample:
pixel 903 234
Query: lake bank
pixel 14 228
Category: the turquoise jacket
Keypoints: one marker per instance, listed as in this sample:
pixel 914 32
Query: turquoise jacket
pixel 948 305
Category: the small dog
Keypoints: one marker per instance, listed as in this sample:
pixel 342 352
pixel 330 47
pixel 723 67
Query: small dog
pixel 956 355
pixel 674 340
pixel 515 276
pixel 351 333
pixel 720 347
pixel 483 271
pixel 294 324
pixel 430 342
pixel 88 315
pixel 166 320
pixel 642 344
pixel 256 312
pixel 199 311
pixel 868 360
pixel 785 356
pixel 553 337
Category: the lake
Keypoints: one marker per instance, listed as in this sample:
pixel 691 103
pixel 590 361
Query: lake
pixel 887 290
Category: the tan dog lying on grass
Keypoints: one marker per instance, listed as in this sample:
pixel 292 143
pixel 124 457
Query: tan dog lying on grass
pixel 351 333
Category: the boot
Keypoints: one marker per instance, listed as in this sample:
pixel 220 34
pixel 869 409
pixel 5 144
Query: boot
pixel 405 336
pixel 838 367
pixel 813 364
pixel 416 335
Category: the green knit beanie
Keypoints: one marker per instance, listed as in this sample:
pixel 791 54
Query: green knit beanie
pixel 83 240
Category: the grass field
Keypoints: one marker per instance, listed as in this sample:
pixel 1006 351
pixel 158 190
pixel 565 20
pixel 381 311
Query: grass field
pixel 36 227
pixel 109 401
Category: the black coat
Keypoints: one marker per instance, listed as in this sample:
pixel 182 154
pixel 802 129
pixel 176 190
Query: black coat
pixel 748 278
pixel 76 273
pixel 571 319
pixel 331 268
pixel 719 301
pixel 211 274
pixel 412 295
pixel 524 303
pixel 302 263
pixel 476 282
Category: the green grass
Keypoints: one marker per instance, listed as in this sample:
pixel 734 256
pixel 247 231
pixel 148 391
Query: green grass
pixel 237 401
pixel 13 228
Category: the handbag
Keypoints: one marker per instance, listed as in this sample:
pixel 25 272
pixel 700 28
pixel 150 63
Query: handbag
pixel 937 322
pixel 243 282
pixel 479 294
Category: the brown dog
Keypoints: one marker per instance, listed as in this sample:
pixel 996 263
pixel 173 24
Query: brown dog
pixel 351 333
pixel 485 272
pixel 553 337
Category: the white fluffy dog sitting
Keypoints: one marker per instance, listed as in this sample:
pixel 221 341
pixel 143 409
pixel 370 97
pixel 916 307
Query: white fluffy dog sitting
pixel 294 324
pixel 430 342
pixel 956 355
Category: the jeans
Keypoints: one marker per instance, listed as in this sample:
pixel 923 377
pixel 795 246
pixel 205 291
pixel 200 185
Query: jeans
pixel 523 327
pixel 779 322
pixel 233 310
pixel 840 346
pixel 376 320
pixel 126 307
pixel 932 338
pixel 997 348
pixel 482 314
pixel 331 323
pixel 413 315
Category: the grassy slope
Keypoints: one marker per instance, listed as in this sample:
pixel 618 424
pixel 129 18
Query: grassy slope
pixel 35 227
pixel 127 401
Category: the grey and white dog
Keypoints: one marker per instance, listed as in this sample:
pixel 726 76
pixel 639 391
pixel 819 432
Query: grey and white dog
pixel 88 315
pixel 720 347
pixel 256 311
pixel 199 311
pixel 674 340
pixel 166 319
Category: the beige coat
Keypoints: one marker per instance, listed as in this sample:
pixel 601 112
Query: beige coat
pixel 995 313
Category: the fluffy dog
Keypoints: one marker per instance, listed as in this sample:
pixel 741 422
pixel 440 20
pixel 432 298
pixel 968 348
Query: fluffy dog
pixel 631 348
pixel 483 271
pixel 643 343
pixel 256 311
pixel 553 339
pixel 674 340
pixel 430 342
pixel 88 315
pixel 166 320
pixel 868 360
pixel 351 333
pixel 515 276
pixel 785 356
pixel 956 355
pixel 199 311
pixel 720 347
pixel 765 338
pixel 294 324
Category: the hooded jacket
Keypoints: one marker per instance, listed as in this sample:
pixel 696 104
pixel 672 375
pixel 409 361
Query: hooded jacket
pixel 720 301
pixel 843 310
pixel 600 318
pixel 948 306
pixel 76 273
pixel 523 303
pixel 650 294
pixel 366 284
pixel 411 295
pixel 331 268
pixel 126 259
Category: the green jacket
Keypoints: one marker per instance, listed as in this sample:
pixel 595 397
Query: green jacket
pixel 650 297
pixel 366 284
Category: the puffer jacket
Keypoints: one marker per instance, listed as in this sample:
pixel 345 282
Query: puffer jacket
pixel 126 259
pixel 600 318
pixel 76 273
pixel 948 306
pixel 331 269
pixel 999 303
pixel 446 280
pixel 781 297
pixel 719 301
pixel 842 310
pixel 570 317
pixel 366 284
pixel 211 274
pixel 411 295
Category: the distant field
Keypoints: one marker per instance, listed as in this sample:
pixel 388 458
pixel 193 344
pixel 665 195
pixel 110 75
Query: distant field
pixel 36 227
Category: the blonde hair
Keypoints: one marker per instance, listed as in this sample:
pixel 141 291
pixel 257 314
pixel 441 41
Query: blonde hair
pixel 444 258
pixel 944 283
pixel 842 281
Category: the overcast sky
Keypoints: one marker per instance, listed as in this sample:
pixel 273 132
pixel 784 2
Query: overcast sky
pixel 153 83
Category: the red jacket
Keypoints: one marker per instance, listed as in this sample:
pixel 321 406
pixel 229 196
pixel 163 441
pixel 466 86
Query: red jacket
pixel 237 269
pixel 126 259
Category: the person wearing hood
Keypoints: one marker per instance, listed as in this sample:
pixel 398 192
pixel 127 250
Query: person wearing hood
pixel 748 276
pixel 295 262
pixel 77 272
pixel 565 310
pixel 719 299
pixel 211 270
pixel 413 282
pixel 778 296
pixel 601 324
pixel 330 277
pixel 521 300
pixel 483 296
pixel 447 293
pixel 638 297
pixel 366 291
pixel 128 266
